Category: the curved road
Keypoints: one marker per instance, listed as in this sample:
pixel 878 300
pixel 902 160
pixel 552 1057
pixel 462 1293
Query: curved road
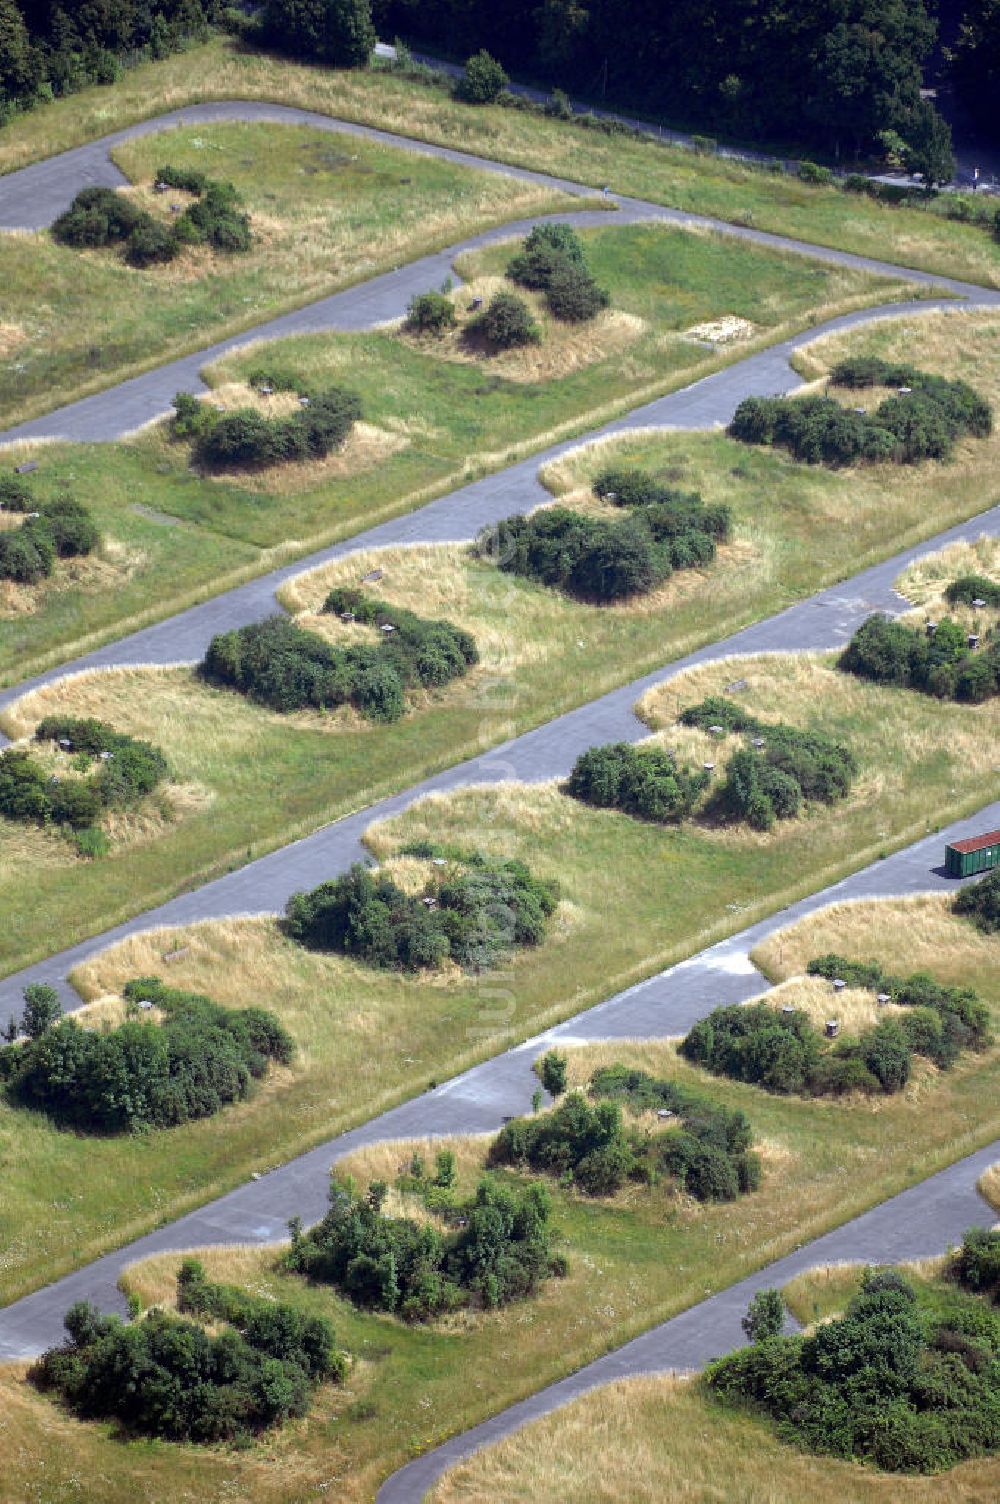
pixel 920 1221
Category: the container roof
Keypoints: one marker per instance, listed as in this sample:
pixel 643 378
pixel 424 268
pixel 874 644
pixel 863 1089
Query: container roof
pixel 976 843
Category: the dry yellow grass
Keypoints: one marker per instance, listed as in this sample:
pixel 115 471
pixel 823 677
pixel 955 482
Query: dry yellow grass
pixel 988 1186
pixel 650 1440
pixel 925 582
pixel 562 348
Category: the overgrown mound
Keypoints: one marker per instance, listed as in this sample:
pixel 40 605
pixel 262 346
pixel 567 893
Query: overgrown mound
pixel 980 902
pixel 279 664
pixel 101 217
pixel 142 1074
pixel 246 439
pixel 125 770
pixel 923 421
pixel 783 1052
pixel 551 260
pixel 944 662
pixel 58 529
pixel 475 911
pixel 708 1151
pixel 902 1381
pixel 782 769
pixel 646 782
pixel 496 1250
pixel 599 561
pixel 169 1378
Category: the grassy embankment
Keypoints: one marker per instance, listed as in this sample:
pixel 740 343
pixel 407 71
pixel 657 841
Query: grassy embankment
pixel 668 175
pixel 172 537
pixel 696 884
pixel 636 1258
pixel 266 778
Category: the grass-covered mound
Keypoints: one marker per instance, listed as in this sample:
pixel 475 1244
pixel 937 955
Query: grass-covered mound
pixel 783 1051
pixel 980 902
pixel 143 1074
pixel 923 421
pixel 707 1151
pixel 944 662
pixel 472 910
pixel 599 560
pixel 907 1379
pixel 101 217
pixel 492 1249
pixel 286 668
pixel 246 439
pixel 99 769
pixel 59 528
pixel 168 1377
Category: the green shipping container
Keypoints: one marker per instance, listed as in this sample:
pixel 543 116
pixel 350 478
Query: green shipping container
pixel 978 854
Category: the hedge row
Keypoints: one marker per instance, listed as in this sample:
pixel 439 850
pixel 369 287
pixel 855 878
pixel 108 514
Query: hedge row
pixel 101 217
pixel 248 439
pixel 475 913
pixel 771 782
pixel 167 1377
pixel 58 529
pixel 498 1252
pixel 922 423
pixel 144 1074
pixel 551 260
pixel 939 663
pixel 278 664
pixel 592 1149
pixel 596 560
pixel 128 770
pixel 896 1383
pixel 980 902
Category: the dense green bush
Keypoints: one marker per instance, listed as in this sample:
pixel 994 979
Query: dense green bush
pixel 708 1152
pixel 15 494
pixel 600 561
pixel 246 438
pixel 505 323
pixel 475 912
pixel 430 313
pixel 980 902
pixel 498 1252
pixel 144 1074
pixel 940 664
pixel 973 587
pixel 962 1018
pixel 286 668
pixel 167 1377
pixel 102 217
pixel 483 81
pixel 898 1382
pixel 976 1265
pixel 921 423
pixel 644 781
pixel 59 528
pixel 127 770
pixel 771 782
pixel 551 259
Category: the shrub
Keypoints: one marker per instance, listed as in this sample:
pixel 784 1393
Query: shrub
pixel 27 553
pixel 246 438
pixel 187 179
pixel 100 217
pixel 430 313
pixel 483 81
pixel 980 902
pixel 573 296
pixel 506 322
pixel 546 249
pixel 475 916
pixel 811 172
pixel 150 244
pixel 898 1384
pixel 889 652
pixel 642 781
pixel 15 494
pixel 973 587
pixel 765 1316
pixel 976 1265
pixel 129 770
pixel 552 1072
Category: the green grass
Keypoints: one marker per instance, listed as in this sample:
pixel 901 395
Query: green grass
pixel 326 211
pixel 271 778
pixel 368 1039
pixel 672 176
pixel 635 1260
pixel 433 407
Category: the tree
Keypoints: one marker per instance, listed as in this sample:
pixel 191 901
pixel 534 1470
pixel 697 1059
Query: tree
pixel 16 69
pixel 41 1009
pixel 552 1068
pixel 765 1316
pixel 484 80
pixel 928 153
pixel 330 31
pixel 976 62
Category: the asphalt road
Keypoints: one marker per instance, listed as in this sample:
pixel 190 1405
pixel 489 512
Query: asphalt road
pixel 921 1221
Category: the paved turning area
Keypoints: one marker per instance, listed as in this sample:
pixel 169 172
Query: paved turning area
pixel 923 1220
